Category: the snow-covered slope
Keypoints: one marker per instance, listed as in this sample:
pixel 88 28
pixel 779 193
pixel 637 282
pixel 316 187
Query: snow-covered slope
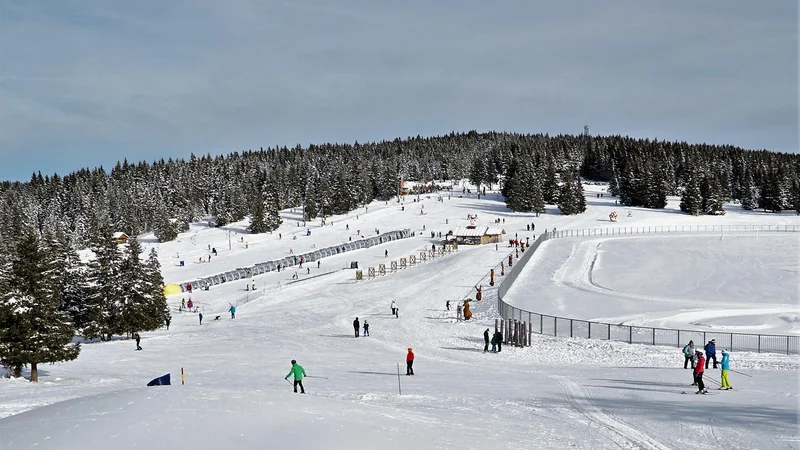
pixel 559 393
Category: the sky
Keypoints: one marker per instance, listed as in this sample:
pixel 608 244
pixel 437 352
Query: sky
pixel 89 83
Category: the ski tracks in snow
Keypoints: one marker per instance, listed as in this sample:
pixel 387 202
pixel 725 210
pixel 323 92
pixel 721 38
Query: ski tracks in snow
pixel 624 435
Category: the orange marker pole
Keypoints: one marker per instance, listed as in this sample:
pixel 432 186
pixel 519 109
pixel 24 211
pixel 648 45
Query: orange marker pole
pixel 182 378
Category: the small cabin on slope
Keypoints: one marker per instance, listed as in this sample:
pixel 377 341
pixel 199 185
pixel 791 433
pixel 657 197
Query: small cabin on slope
pixel 476 234
pixel 120 237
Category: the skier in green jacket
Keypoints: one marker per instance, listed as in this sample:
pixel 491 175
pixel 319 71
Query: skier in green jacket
pixel 299 373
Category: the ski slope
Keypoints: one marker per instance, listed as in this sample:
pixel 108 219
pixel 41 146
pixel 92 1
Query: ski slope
pixel 559 393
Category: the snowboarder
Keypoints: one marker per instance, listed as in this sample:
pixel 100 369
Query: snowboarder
pixel 299 373
pixel 688 352
pixel 409 362
pixel 356 326
pixel 138 339
pixel 698 373
pixel 366 328
pixel 486 341
pixel 201 318
pixel 394 307
pixel 726 366
pixel 711 352
pixel 232 310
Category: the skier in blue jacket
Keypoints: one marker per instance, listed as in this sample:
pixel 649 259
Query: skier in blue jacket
pixel 726 366
pixel 711 352
pixel 233 313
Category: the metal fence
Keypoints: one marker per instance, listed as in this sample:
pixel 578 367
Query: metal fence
pixel 566 327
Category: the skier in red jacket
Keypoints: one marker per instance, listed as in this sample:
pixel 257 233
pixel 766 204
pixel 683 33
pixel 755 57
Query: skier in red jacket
pixel 409 362
pixel 698 373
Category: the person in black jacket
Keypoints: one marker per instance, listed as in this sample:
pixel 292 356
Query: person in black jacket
pixel 486 341
pixel 499 337
pixel 138 339
pixel 356 325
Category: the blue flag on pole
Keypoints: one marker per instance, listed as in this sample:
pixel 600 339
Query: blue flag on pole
pixel 160 381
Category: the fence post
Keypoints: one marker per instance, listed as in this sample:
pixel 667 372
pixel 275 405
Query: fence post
pixel 609 331
pixel 555 326
pixel 570 328
pixel 704 339
pixel 590 329
pixel 759 343
pixel 541 324
pixel 654 336
pixel 630 335
pixel 787 345
pixel 495 324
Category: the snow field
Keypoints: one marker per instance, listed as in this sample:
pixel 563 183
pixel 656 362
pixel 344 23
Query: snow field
pixel 736 282
pixel 559 393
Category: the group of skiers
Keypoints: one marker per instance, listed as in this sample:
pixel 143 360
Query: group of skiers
pixel 699 363
pixel 496 341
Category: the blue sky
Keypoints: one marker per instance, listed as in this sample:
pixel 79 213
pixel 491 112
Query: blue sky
pixel 91 82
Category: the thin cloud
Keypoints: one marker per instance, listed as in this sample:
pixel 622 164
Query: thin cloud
pixel 104 80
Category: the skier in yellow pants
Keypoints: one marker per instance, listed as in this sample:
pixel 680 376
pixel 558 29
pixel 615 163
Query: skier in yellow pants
pixel 726 365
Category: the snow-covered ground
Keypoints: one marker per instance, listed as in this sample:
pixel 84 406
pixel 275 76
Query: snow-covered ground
pixel 559 393
pixel 736 282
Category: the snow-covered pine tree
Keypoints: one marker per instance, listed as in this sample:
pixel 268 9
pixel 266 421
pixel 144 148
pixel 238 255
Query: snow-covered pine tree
pixel 74 291
pixel 692 199
pixel 794 195
pixel 712 194
pixel 257 224
pixel 157 308
pixel 571 199
pixel 135 290
pixel 748 192
pixel 772 196
pixel 272 208
pixel 34 329
pixel 515 189
pixel 550 186
pixel 477 172
pixel 103 287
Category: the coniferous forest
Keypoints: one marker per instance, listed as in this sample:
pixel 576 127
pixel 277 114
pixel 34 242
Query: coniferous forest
pixel 47 294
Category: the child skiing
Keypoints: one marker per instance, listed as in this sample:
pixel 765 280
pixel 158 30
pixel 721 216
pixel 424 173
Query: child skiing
pixel 726 366
pixel 138 339
pixel 366 328
pixel 299 373
pixel 699 368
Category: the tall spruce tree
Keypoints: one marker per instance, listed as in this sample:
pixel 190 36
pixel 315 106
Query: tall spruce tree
pixel 104 288
pixel 158 310
pixel 571 199
pixel 34 329
pixel 692 199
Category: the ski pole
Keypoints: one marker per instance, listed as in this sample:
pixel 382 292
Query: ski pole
pixel 740 373
pixel 314 376
pixel 715 382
